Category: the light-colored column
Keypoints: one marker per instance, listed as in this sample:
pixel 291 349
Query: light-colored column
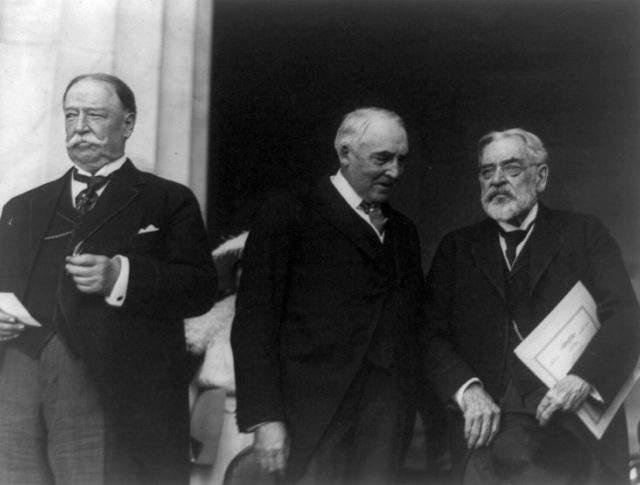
pixel 200 120
pixel 137 61
pixel 176 91
pixel 85 44
pixel 28 42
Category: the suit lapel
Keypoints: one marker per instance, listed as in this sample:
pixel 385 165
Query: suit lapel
pixel 545 242
pixel 41 209
pixel 487 254
pixel 396 236
pixel 115 198
pixel 330 204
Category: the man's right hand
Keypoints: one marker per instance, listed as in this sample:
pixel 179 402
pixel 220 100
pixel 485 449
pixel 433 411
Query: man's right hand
pixel 481 416
pixel 271 443
pixel 10 328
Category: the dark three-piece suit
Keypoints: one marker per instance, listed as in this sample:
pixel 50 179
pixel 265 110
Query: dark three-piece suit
pixel 321 298
pixel 135 353
pixel 473 300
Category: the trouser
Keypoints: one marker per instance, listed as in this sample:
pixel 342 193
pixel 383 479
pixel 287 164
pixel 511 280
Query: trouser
pixel 363 444
pixel 52 425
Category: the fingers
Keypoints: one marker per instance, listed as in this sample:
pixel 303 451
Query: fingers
pixel 481 429
pixel 567 394
pixel 495 426
pixel 10 331
pixel 6 318
pixel 547 408
pixel 273 461
pixel 281 461
pixel 84 259
pixel 88 284
pixel 272 447
pixel 93 273
pixel 482 417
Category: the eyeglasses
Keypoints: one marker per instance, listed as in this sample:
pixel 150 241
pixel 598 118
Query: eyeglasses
pixel 510 169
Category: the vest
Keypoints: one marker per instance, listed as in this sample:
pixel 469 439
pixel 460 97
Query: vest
pixel 380 352
pixel 40 297
pixel 521 320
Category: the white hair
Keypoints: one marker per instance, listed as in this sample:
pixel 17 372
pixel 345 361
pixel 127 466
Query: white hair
pixel 536 152
pixel 355 124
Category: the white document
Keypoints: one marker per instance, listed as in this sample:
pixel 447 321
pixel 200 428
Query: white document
pixel 10 304
pixel 554 346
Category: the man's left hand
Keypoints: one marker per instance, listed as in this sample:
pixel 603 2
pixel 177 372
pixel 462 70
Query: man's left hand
pixel 567 395
pixel 93 273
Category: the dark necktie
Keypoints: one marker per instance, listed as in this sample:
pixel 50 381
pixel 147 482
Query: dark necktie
pixel 375 214
pixel 512 238
pixel 88 197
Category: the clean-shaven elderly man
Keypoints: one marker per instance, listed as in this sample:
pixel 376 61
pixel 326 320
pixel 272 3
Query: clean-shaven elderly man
pixel 491 284
pixel 109 260
pixel 328 311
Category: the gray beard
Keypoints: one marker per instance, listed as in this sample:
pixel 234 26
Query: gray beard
pixel 513 208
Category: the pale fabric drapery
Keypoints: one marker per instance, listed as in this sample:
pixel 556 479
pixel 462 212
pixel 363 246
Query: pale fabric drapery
pixel 161 48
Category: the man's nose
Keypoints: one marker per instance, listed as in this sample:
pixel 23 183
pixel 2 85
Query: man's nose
pixel 499 176
pixel 81 125
pixel 395 169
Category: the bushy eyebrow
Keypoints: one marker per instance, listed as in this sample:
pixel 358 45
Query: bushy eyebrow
pixel 504 162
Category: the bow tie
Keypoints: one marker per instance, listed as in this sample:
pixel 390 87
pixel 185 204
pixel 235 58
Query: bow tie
pixel 87 198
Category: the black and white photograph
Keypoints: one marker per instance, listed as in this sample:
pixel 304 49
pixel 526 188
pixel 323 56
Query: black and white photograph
pixel 319 242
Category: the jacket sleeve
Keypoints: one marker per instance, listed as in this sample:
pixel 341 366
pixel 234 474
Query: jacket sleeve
pixel 260 308
pixel 182 282
pixel 443 365
pixel 613 352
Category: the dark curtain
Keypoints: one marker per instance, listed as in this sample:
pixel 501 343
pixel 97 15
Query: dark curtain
pixel 285 72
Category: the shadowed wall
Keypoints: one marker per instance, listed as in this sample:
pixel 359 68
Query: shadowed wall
pixel 285 72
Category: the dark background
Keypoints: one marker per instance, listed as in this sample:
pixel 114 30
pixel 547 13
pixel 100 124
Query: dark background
pixel 285 72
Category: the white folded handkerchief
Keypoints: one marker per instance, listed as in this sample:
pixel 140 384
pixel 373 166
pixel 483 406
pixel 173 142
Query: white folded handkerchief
pixel 149 228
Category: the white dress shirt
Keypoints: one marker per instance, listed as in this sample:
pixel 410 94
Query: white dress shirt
pixel 353 199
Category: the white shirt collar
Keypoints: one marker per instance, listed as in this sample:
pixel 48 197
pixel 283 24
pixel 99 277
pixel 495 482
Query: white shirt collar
pixel 346 191
pixel 525 224
pixel 77 186
pixel 106 169
pixel 352 198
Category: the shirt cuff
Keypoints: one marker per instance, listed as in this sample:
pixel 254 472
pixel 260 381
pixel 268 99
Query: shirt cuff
pixel 119 292
pixel 457 397
pixel 251 429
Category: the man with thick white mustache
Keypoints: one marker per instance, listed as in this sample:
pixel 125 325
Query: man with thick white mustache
pixel 109 260
pixel 489 286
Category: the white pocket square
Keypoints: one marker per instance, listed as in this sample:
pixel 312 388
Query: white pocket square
pixel 149 228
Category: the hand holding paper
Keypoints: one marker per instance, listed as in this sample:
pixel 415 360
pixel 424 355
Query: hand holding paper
pixel 554 346
pixel 12 311
pixel 567 394
pixel 11 325
pixel 10 328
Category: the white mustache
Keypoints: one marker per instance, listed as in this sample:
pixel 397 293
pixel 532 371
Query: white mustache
pixel 489 196
pixel 77 139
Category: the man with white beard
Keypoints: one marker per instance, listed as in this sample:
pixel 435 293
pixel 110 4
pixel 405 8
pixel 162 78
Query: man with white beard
pixel 489 286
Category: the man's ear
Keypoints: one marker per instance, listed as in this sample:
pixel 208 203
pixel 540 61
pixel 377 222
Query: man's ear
pixel 129 124
pixel 344 155
pixel 543 175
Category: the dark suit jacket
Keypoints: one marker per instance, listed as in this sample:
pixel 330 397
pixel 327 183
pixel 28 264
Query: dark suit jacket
pixel 137 352
pixel 468 319
pixel 312 291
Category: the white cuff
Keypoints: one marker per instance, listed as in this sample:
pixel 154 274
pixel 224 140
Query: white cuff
pixel 119 291
pixel 457 397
